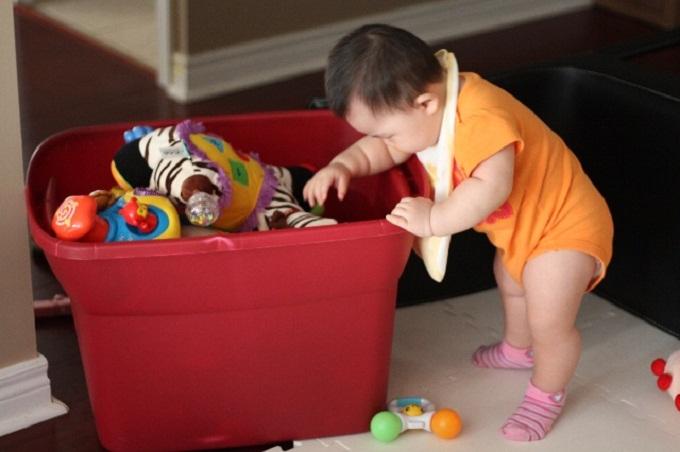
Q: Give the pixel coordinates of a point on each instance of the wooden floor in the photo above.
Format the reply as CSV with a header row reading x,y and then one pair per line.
x,y
66,81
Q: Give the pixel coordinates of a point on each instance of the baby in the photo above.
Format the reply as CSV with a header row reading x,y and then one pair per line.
x,y
512,178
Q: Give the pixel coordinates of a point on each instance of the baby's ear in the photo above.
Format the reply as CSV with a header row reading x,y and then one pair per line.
x,y
427,101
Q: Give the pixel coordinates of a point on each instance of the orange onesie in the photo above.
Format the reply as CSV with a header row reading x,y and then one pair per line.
x,y
553,204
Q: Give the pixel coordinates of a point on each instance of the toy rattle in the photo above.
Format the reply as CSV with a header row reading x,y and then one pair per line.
x,y
668,373
411,413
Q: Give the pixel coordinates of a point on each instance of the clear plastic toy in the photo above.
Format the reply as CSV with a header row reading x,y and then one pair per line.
x,y
202,209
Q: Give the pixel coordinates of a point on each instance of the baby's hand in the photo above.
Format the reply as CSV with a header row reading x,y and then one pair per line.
x,y
413,214
334,175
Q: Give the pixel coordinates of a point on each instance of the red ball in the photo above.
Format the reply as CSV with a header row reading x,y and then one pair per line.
x,y
658,366
664,381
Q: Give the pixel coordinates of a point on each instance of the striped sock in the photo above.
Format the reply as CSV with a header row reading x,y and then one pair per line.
x,y
503,356
534,417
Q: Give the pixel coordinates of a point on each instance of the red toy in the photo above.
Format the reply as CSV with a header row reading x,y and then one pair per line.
x,y
668,373
77,219
138,215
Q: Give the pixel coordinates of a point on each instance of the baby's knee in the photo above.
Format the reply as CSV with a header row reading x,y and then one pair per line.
x,y
554,332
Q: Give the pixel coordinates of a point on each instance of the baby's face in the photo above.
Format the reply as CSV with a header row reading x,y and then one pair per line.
x,y
410,130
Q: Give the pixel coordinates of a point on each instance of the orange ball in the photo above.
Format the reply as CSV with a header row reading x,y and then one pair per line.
x,y
446,423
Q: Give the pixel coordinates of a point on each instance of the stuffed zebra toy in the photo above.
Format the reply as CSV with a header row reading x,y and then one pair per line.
x,y
215,184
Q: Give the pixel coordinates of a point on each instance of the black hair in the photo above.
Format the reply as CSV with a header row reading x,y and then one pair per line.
x,y
384,67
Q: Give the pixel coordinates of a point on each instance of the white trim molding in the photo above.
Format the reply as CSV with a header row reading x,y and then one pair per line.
x,y
215,72
164,34
25,396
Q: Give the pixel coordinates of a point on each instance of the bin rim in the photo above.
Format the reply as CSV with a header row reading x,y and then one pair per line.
x,y
220,242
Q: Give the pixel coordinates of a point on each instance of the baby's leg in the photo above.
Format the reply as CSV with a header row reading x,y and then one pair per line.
x,y
554,284
514,351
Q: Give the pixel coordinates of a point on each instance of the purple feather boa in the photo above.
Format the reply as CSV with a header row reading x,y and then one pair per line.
x,y
264,198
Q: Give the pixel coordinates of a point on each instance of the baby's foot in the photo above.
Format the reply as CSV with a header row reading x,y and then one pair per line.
x,y
503,356
534,417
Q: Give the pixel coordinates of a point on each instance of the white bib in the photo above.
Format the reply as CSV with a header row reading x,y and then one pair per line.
x,y
438,162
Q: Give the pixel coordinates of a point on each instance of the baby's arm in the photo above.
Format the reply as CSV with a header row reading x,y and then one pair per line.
x,y
369,155
471,202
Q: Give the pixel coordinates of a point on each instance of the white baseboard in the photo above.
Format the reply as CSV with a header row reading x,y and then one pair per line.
x,y
207,74
25,396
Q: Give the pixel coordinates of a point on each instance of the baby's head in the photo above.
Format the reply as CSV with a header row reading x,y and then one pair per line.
x,y
386,82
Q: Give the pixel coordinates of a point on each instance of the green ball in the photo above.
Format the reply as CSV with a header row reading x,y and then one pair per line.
x,y
386,426
318,210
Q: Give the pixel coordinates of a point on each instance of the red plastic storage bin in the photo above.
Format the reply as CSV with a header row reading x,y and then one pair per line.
x,y
231,339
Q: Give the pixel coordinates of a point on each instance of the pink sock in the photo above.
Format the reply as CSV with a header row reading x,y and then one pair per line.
x,y
534,417
503,356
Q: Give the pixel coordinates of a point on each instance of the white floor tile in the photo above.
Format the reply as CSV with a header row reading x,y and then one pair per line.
x,y
126,26
613,403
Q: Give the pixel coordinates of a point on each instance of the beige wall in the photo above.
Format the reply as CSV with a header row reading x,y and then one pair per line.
x,y
17,330
660,12
218,23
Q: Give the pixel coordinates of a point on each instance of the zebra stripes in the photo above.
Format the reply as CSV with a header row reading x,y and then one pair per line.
x,y
284,210
171,163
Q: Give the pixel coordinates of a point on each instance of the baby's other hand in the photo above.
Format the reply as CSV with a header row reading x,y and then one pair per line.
x,y
334,175
413,214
